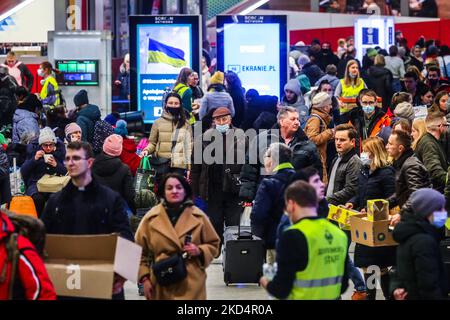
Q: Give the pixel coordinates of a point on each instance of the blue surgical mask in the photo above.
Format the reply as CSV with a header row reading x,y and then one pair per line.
x,y
223,128
365,159
439,218
353,76
368,109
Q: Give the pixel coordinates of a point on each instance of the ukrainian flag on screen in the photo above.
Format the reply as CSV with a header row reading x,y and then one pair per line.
x,y
161,53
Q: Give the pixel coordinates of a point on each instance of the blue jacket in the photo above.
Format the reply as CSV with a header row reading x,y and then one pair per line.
x,y
269,206
86,119
25,123
33,170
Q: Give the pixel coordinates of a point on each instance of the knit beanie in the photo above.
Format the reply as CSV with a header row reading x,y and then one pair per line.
x,y
371,52
121,128
111,119
217,78
46,135
71,128
426,201
321,100
404,110
304,59
294,86
81,98
113,145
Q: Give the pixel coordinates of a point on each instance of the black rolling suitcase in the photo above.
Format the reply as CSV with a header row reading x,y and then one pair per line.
x,y
243,255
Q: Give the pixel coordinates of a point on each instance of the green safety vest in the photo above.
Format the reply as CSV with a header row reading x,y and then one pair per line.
x,y
44,91
327,251
181,89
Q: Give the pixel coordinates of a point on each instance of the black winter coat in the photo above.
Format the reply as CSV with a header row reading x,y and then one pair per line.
x,y
346,178
269,206
256,107
379,184
111,172
410,175
33,170
379,79
95,210
420,270
305,154
206,177
312,71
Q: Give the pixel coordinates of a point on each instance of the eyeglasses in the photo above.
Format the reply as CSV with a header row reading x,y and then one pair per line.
x,y
48,145
74,159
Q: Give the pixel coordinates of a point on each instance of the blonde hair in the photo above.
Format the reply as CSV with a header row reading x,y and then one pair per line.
x,y
375,146
420,126
379,60
349,81
417,72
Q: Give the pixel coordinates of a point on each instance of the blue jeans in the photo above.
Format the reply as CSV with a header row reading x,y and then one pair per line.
x,y
355,276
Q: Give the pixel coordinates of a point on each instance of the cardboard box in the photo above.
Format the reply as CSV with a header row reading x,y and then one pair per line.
x,y
341,215
371,233
84,265
377,209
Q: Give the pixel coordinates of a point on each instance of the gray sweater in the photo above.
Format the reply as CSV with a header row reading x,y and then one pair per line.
x,y
214,100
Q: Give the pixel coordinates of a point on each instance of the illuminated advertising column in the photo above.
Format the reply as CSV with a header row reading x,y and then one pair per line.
x,y
373,32
255,47
160,46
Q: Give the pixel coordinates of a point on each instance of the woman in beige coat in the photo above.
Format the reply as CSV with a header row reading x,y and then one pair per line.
x,y
171,136
162,233
317,124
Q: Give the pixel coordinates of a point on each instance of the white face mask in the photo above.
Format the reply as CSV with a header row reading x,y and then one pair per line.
x,y
365,158
40,73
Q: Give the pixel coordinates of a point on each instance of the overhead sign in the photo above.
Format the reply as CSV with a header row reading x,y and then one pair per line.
x,y
373,32
160,47
254,47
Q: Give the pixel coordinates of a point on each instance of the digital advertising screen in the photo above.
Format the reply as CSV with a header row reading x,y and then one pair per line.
x,y
255,47
77,72
372,32
160,47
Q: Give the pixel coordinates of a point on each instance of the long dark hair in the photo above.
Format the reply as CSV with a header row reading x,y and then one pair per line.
x,y
179,120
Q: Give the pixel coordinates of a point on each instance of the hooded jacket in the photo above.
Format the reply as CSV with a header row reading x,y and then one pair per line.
x,y
32,281
317,131
160,141
86,119
420,270
269,206
25,124
129,156
312,71
111,172
303,111
379,79
430,153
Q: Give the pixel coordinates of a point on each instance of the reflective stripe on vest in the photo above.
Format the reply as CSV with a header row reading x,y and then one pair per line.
x,y
44,91
327,251
317,282
350,92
